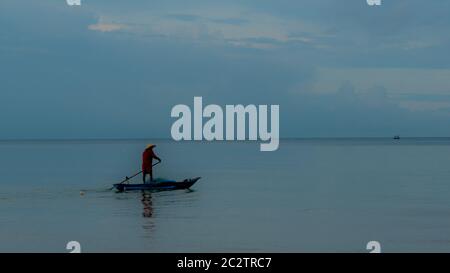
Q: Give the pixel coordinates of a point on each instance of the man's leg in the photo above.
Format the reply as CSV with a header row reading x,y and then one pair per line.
x,y
151,176
143,176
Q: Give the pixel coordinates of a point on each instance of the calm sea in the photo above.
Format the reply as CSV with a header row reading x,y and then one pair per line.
x,y
320,195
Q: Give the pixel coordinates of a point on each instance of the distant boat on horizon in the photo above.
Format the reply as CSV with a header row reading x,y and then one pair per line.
x,y
396,137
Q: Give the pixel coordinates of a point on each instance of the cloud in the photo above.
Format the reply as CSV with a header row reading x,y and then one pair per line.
x,y
208,49
442,106
419,81
350,35
184,17
234,26
105,27
350,112
231,21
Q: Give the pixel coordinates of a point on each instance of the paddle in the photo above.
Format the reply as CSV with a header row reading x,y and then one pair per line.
x,y
128,178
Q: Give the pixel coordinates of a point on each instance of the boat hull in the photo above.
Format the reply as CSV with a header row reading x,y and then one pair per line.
x,y
158,186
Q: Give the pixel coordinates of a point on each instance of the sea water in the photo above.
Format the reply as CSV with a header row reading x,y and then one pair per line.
x,y
320,195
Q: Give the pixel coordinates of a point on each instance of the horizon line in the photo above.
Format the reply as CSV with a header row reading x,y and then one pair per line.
x,y
165,139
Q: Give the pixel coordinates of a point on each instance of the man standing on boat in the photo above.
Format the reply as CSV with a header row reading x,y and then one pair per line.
x,y
147,157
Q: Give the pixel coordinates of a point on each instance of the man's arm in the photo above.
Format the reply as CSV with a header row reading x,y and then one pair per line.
x,y
156,157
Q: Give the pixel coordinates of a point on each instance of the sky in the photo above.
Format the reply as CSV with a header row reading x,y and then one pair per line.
x,y
115,69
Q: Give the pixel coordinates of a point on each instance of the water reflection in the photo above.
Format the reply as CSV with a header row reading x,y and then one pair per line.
x,y
168,205
147,204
